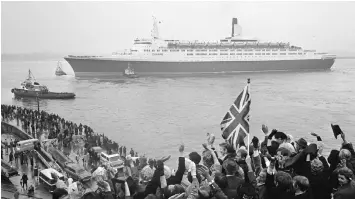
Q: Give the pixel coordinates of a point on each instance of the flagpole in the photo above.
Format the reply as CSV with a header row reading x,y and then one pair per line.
x,y
249,120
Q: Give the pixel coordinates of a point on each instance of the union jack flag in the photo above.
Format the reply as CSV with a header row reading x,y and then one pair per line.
x,y
235,124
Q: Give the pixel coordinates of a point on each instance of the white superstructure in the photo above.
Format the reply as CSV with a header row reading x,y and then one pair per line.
x,y
232,48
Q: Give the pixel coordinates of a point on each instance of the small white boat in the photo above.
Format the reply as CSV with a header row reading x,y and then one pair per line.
x,y
129,72
59,71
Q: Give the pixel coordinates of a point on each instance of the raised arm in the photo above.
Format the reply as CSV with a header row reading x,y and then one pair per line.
x,y
192,190
215,189
154,183
265,130
251,175
347,145
316,135
216,163
181,169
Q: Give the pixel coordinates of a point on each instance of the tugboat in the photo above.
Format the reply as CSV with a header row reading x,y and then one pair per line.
x,y
129,72
30,88
59,71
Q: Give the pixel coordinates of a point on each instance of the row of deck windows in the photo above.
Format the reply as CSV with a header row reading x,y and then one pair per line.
x,y
212,50
257,54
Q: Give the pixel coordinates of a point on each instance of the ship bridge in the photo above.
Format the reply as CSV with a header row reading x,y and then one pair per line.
x,y
237,40
142,41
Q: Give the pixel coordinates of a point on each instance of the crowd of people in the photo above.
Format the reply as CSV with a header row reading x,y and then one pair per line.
x,y
45,126
41,123
278,167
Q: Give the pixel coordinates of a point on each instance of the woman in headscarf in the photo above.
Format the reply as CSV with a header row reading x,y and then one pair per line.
x,y
347,184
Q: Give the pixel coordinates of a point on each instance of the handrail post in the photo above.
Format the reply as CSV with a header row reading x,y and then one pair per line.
x,y
37,103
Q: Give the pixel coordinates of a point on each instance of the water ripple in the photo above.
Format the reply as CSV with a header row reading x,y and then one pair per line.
x,y
154,115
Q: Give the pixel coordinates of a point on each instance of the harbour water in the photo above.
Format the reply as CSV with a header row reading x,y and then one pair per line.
x,y
154,115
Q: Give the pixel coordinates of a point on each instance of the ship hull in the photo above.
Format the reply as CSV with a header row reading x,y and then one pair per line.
x,y
88,67
131,76
20,93
60,73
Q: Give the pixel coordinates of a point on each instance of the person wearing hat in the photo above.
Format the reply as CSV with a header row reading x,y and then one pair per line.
x,y
301,144
277,138
270,145
280,137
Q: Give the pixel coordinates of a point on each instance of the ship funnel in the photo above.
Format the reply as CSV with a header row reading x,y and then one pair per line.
x,y
155,31
236,29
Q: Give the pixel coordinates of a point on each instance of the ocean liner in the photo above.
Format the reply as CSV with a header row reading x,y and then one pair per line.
x,y
231,54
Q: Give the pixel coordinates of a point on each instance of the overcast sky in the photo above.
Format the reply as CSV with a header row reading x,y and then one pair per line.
x,y
104,27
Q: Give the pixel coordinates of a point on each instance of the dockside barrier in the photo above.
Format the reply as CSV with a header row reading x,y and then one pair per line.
x,y
59,157
53,164
24,136
43,160
15,130
49,156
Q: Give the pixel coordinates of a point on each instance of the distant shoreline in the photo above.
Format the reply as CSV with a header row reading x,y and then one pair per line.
x,y
35,56
346,57
32,57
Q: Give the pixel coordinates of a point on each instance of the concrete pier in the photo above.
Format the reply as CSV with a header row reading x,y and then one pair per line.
x,y
8,190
